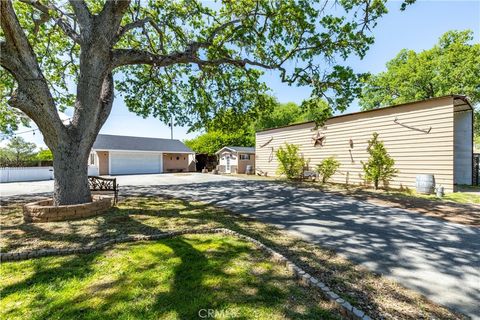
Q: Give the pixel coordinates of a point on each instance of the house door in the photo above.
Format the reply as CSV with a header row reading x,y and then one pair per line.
x,y
227,167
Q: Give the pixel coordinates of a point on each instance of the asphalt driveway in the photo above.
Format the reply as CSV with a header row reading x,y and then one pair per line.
x,y
32,189
437,258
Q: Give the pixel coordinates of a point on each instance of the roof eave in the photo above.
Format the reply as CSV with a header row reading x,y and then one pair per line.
x,y
454,96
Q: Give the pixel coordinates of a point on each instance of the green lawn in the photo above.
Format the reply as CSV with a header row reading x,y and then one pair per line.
x,y
167,279
459,197
33,284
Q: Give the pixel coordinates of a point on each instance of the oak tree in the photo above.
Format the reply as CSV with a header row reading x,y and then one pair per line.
x,y
190,59
452,66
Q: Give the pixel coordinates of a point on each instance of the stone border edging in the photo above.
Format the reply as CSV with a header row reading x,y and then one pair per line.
x,y
45,211
346,309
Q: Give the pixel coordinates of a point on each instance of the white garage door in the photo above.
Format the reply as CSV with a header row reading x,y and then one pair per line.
x,y
133,163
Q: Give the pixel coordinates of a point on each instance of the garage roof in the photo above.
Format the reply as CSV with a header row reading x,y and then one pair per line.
x,y
126,143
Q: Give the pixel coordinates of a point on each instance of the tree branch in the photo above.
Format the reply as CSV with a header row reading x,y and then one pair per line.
x,y
64,25
17,54
33,95
123,57
110,17
82,13
135,24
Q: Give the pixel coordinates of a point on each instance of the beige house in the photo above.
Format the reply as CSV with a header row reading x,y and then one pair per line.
x,y
433,136
115,155
235,159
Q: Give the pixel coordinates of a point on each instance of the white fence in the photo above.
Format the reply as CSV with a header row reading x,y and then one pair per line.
x,y
12,174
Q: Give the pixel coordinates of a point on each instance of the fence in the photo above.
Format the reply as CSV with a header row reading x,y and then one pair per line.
x,y
25,174
476,169
25,163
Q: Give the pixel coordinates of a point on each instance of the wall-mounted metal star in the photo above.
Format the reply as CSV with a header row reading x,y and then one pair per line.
x,y
318,139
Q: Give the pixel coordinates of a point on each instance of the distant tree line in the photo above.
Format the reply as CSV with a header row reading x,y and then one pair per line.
x,y
452,66
21,153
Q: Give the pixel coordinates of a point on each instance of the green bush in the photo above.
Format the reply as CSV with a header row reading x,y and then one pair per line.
x,y
327,168
44,155
380,166
291,164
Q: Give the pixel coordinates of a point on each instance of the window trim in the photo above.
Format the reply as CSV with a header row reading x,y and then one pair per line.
x,y
245,156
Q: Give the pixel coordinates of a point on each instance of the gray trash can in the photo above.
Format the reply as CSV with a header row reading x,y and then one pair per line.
x,y
425,183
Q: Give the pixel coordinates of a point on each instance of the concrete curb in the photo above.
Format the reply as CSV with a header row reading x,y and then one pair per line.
x,y
305,279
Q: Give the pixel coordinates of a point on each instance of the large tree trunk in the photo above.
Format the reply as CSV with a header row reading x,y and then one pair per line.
x,y
70,143
70,165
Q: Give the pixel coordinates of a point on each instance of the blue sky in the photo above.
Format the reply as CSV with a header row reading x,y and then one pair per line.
x,y
418,28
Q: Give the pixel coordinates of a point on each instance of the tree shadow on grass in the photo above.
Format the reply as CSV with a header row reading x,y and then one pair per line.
x,y
343,277
46,274
15,235
205,278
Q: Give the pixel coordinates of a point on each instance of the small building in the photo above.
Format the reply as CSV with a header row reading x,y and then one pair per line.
x,y
235,159
114,155
433,136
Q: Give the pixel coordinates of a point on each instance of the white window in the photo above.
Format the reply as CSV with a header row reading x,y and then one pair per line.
x,y
92,159
244,157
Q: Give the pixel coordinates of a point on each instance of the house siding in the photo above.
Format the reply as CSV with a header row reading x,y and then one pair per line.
x,y
223,161
170,162
103,162
414,152
242,164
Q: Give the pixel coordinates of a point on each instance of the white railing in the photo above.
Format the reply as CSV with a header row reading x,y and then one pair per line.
x,y
17,174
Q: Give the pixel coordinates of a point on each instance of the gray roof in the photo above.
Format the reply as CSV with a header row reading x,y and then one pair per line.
x,y
111,142
239,149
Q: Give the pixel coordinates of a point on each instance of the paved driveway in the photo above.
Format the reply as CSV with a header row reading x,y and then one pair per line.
x,y
31,189
437,258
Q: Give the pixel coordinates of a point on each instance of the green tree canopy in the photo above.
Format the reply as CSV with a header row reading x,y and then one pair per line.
x,y
229,130
212,141
18,150
44,155
189,59
452,66
283,114
195,59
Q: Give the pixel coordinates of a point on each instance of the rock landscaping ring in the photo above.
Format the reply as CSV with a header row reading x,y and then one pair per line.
x,y
44,211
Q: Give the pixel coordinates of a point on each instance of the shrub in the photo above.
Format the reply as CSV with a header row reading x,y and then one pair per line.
x,y
327,168
379,166
291,164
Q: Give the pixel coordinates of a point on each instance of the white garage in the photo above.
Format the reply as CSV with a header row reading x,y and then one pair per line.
x,y
135,163
116,155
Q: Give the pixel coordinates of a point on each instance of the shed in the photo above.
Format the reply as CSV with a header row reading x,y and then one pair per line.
x,y
432,136
235,159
